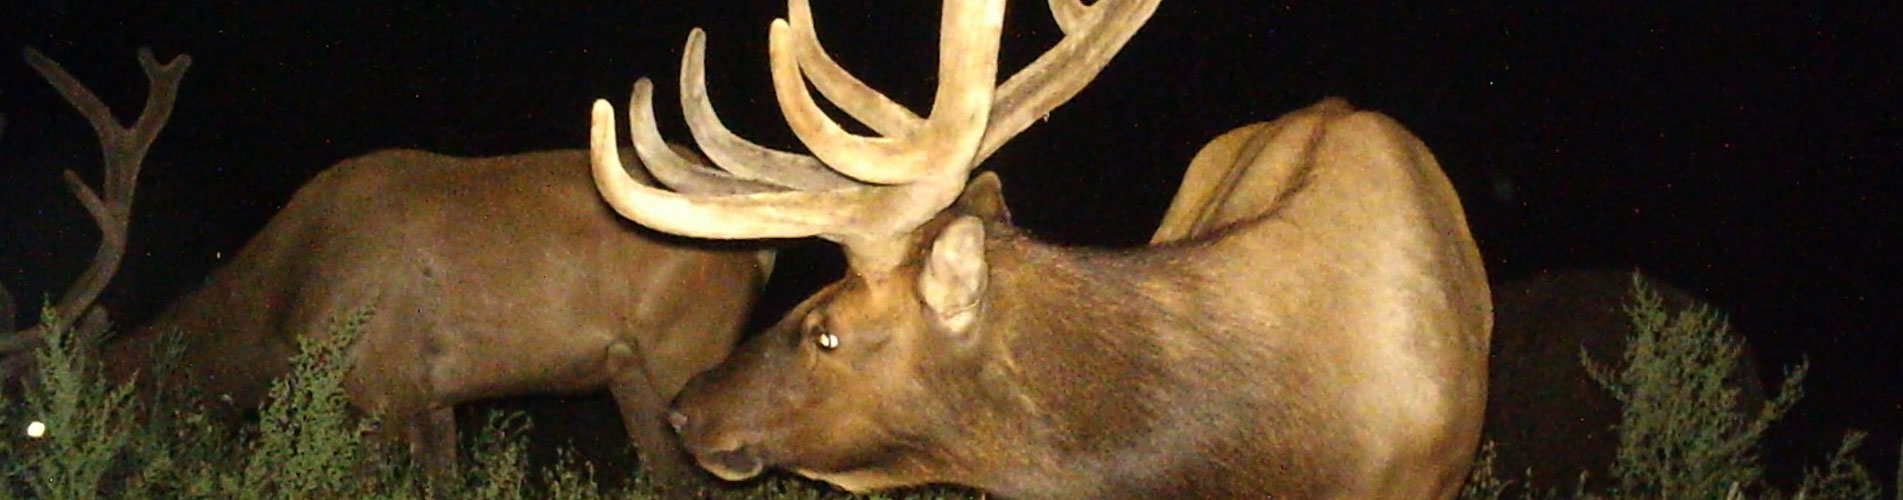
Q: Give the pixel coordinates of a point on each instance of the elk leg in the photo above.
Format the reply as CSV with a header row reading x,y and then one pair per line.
x,y
432,436
642,410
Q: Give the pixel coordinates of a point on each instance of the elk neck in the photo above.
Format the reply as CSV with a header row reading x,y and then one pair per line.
x,y
1078,362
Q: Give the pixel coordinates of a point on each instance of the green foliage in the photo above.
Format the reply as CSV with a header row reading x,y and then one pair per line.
x,y
571,479
1482,484
500,455
87,422
1842,477
178,449
307,443
307,446
1679,435
1679,438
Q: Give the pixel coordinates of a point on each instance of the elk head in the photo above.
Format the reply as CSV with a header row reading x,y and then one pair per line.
x,y
843,368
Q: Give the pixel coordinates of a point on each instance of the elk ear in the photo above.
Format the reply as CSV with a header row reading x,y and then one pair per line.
x,y
953,282
984,198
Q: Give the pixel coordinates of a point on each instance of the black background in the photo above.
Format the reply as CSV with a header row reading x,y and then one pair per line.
x,y
1747,153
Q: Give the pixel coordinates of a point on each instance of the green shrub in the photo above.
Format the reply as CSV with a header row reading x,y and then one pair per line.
x,y
1842,477
1678,435
179,449
87,422
1481,483
571,479
500,456
307,446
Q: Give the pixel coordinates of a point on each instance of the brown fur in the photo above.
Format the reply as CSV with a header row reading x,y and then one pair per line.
x,y
488,277
1316,326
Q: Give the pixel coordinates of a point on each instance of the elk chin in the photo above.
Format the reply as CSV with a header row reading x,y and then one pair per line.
x,y
729,456
738,464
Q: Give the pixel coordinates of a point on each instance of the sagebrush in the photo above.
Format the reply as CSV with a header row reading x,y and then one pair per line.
x,y
1681,436
1677,440
103,442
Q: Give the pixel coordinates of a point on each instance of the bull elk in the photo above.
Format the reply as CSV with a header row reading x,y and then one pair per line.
x,y
1312,321
489,277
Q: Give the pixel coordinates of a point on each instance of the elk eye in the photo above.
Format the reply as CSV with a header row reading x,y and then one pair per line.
x,y
827,341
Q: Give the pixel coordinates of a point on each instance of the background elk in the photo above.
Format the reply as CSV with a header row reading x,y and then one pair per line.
x,y
1313,322
488,277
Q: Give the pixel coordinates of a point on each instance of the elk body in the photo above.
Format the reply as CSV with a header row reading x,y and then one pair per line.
x,y
1312,321
487,277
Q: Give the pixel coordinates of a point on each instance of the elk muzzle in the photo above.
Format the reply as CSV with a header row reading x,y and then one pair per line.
x,y
728,459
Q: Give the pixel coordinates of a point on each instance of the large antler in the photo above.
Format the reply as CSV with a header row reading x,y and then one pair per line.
x,y
862,192
123,151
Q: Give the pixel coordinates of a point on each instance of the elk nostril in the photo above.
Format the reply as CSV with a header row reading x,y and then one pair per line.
x,y
676,420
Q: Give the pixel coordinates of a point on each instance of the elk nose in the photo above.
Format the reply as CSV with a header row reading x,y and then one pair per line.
x,y
677,420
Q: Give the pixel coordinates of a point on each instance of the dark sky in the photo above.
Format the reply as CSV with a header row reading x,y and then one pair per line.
x,y
1748,153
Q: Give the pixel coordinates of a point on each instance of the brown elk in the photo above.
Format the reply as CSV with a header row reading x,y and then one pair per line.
x,y
488,277
1312,323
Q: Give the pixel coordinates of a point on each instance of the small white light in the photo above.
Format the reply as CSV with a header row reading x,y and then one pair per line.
x,y
35,429
828,341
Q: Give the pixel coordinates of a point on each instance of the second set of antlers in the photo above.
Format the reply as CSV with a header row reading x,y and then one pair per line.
x,y
863,192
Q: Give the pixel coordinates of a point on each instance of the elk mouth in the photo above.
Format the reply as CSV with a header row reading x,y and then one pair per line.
x,y
728,461
737,464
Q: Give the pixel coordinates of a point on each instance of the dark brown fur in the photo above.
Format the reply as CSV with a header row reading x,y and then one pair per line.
x,y
1321,334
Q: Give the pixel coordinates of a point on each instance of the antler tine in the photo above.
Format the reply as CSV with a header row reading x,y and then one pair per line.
x,y
743,158
671,166
891,184
123,151
860,218
790,214
1092,35
839,86
967,69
